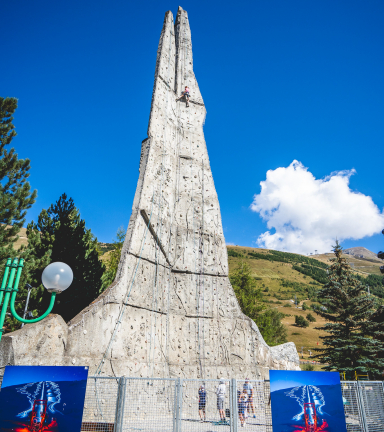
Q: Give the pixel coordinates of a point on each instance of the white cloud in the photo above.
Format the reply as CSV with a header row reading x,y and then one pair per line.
x,y
309,214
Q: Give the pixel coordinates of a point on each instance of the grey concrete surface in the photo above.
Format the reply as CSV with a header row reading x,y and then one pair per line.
x,y
171,310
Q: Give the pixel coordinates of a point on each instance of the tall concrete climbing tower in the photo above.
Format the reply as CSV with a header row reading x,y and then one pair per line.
x,y
172,310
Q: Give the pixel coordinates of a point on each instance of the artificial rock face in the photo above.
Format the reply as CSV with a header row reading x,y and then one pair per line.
x,y
172,310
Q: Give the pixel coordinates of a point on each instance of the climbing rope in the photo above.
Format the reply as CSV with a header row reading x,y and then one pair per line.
x,y
159,229
196,273
201,276
176,201
125,304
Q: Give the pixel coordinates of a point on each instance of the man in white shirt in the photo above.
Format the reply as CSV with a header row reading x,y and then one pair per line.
x,y
220,393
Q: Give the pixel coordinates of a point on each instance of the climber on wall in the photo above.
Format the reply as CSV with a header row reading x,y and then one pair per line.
x,y
185,94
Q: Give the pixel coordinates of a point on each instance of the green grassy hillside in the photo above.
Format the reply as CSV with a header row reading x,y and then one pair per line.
x,y
285,276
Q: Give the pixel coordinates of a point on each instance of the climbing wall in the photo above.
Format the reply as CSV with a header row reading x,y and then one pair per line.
x,y
172,310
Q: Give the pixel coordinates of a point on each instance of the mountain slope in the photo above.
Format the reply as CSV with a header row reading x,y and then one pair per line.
x,y
362,252
285,277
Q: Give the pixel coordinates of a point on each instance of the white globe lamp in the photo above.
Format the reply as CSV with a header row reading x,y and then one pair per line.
x,y
57,277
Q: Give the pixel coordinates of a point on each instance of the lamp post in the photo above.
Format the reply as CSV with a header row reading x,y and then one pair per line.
x,y
30,288
56,278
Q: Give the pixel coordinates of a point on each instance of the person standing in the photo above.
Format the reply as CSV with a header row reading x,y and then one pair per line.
x,y
220,393
243,399
248,387
202,402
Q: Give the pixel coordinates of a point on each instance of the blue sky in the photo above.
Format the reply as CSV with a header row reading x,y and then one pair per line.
x,y
287,379
282,81
15,375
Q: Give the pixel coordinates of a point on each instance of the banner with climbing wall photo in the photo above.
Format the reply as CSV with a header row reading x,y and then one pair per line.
x,y
42,398
306,401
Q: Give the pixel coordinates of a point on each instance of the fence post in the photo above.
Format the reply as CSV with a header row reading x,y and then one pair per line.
x,y
120,403
362,406
233,405
178,405
174,427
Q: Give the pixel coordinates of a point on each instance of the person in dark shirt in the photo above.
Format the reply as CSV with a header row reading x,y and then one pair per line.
x,y
243,400
202,402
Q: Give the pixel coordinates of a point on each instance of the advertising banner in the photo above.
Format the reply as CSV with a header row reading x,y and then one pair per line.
x,y
42,398
306,401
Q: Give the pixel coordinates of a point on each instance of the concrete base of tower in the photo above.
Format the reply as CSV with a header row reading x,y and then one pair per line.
x,y
133,353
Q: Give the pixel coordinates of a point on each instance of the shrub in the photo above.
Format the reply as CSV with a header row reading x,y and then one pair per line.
x,y
296,334
315,273
233,253
266,289
271,327
315,306
307,367
311,318
304,306
287,305
300,321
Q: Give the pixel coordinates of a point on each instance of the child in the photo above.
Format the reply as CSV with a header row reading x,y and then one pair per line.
x,y
243,399
202,402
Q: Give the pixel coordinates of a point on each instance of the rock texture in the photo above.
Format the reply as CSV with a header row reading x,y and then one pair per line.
x,y
172,310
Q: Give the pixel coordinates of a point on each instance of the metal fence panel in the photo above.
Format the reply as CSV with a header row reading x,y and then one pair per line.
x,y
150,405
255,412
267,407
100,404
200,413
165,405
372,400
352,407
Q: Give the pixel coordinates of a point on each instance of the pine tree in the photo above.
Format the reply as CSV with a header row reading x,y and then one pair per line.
x,y
15,191
250,300
61,234
272,329
353,341
248,295
112,263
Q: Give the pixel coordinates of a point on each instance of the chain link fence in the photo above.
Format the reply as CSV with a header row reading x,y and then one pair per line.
x,y
372,401
352,407
195,405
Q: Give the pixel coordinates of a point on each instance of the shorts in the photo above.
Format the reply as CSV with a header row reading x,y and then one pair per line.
x,y
186,94
201,405
242,410
220,403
